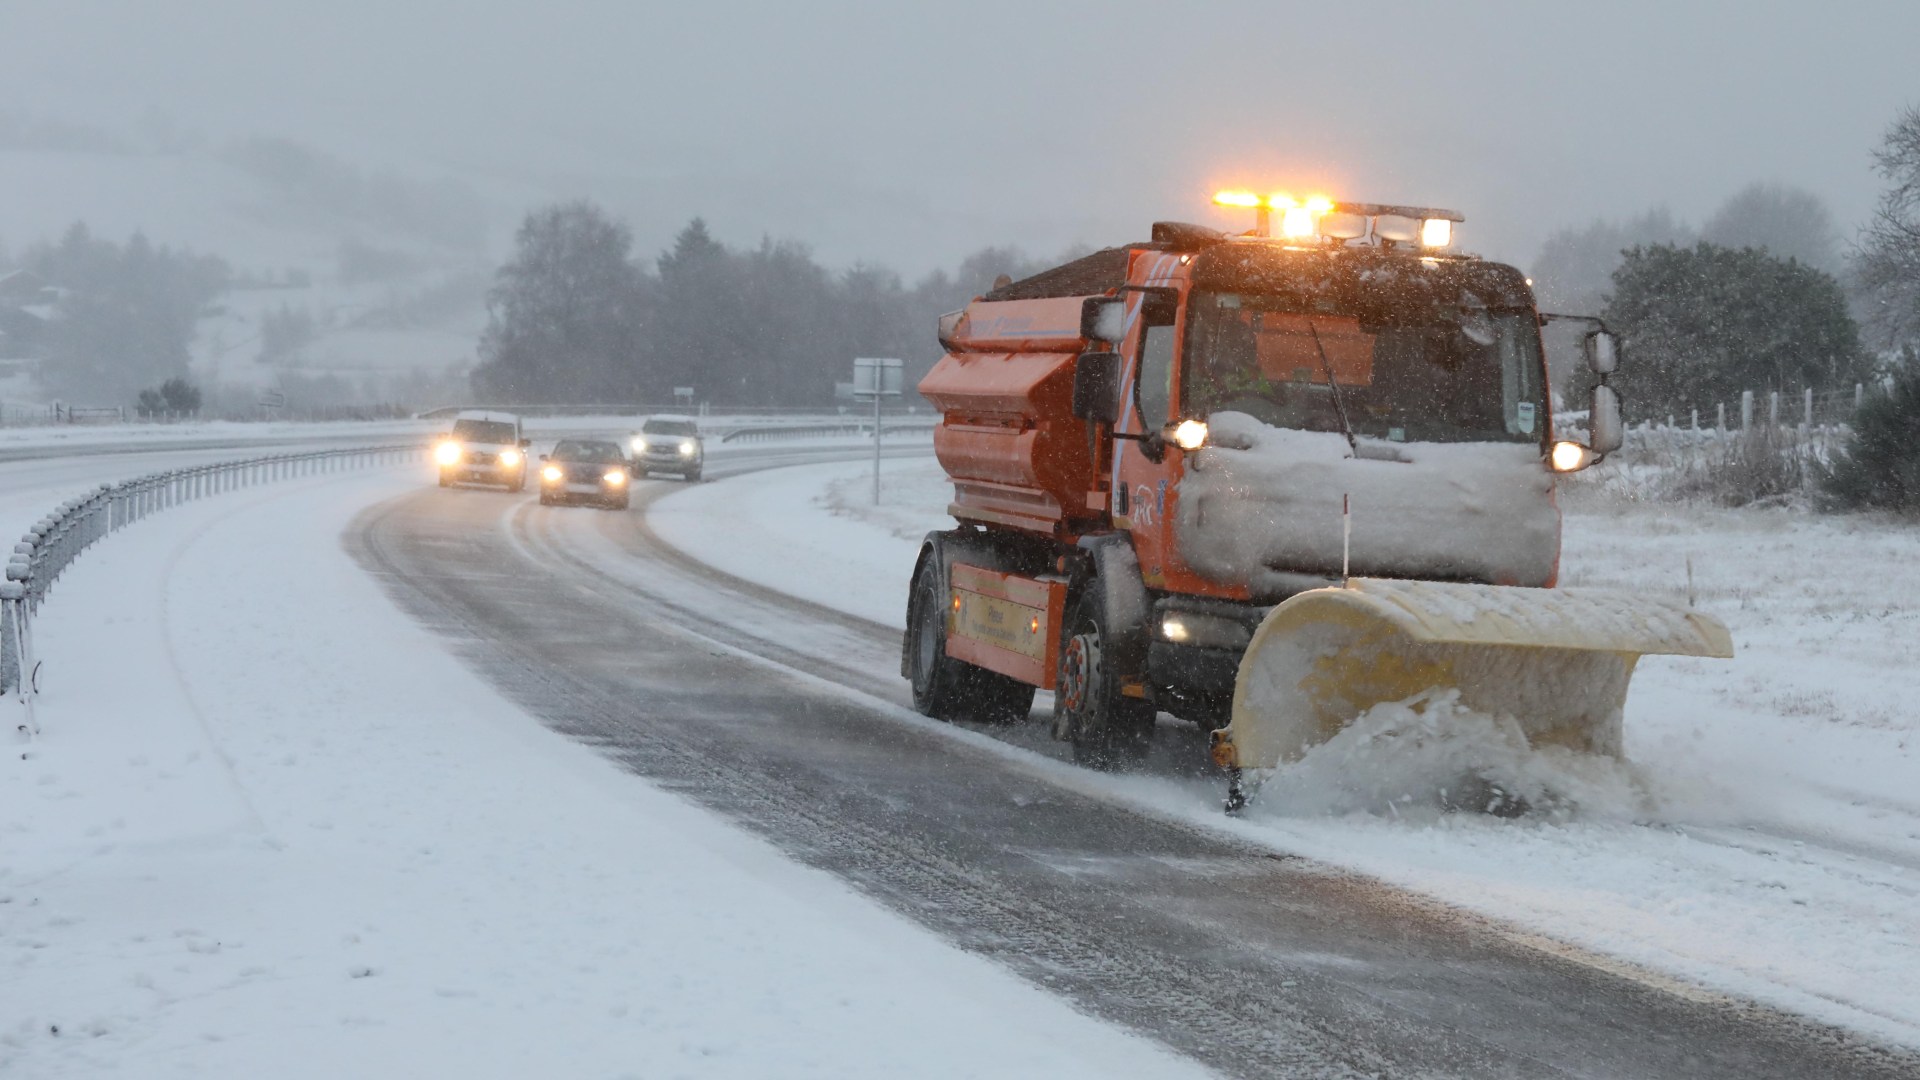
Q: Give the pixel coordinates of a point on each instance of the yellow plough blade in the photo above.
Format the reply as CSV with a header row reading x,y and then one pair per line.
x,y
1555,660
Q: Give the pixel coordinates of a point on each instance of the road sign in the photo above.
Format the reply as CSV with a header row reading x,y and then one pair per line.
x,y
876,376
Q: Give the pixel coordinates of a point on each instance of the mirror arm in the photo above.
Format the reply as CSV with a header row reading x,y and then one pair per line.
x,y
1594,321
1152,443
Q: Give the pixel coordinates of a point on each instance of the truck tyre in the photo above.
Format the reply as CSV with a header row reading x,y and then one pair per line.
x,y
693,477
519,483
446,480
943,687
1108,730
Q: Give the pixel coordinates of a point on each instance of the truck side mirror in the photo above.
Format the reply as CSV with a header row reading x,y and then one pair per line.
x,y
1603,352
1103,318
1604,426
1096,387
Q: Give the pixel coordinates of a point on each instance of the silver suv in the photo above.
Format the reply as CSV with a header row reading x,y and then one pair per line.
x,y
669,444
483,448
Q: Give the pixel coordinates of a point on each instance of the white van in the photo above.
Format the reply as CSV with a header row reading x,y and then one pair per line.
x,y
483,448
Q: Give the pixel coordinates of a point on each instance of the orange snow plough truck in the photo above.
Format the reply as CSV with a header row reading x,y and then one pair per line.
x,y
1267,483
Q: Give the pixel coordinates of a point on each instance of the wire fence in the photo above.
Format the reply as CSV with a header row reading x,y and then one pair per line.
x,y
55,541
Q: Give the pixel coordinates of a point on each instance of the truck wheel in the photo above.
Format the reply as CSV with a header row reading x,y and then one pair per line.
x,y
945,688
445,480
1108,730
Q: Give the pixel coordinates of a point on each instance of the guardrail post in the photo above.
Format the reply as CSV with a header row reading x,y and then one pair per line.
x,y
16,653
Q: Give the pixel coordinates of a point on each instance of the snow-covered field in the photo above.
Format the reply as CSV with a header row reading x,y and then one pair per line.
x,y
1764,840
274,828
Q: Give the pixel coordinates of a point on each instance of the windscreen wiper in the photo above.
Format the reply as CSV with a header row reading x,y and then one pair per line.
x,y
1339,403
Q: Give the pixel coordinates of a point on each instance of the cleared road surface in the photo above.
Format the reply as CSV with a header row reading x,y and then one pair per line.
x,y
788,719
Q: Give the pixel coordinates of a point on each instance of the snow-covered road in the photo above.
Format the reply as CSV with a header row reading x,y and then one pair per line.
x,y
274,828
1765,842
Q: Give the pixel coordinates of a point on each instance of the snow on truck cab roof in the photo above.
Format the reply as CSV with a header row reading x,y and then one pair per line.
x,y
486,414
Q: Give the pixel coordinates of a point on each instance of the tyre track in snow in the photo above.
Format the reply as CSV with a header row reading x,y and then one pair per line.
x,y
1253,963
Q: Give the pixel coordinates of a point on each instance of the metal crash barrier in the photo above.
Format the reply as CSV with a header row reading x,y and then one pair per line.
x,y
55,541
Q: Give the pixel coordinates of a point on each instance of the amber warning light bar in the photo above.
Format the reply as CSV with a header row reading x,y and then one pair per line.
x,y
1318,217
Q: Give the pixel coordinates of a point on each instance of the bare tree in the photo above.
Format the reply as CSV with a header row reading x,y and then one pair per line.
x,y
1788,222
1887,263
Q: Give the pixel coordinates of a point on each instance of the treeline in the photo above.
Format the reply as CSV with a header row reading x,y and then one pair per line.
x,y
118,318
577,318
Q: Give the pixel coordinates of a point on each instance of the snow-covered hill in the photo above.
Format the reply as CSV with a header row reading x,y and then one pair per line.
x,y
372,274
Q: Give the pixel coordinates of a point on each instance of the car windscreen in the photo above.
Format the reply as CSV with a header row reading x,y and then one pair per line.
x,y
583,450
484,431
669,427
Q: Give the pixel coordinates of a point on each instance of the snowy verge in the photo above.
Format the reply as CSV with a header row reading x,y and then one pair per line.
x,y
274,828
1762,839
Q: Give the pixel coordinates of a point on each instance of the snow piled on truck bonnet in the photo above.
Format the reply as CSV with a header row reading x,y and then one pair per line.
x,y
1260,503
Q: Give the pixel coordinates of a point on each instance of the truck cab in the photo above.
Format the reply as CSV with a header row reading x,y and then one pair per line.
x,y
483,447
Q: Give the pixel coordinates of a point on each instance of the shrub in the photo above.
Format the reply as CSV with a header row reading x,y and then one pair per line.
x,y
1880,465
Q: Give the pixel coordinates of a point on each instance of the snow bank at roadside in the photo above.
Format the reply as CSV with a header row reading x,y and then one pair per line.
x,y
1764,839
274,828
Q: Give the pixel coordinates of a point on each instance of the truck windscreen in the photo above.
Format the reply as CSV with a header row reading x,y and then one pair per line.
x,y
1427,364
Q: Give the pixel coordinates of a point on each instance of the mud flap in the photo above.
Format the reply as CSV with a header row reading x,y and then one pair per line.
x,y
1557,661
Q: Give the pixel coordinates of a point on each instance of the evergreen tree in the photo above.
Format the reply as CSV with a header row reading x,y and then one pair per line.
x,y
1880,466
1706,322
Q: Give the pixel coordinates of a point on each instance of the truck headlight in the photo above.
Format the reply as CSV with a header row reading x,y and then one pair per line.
x,y
552,474
639,445
615,477
447,453
1190,435
1570,457
509,457
686,447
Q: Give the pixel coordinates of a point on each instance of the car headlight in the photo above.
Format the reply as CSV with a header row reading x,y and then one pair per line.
x,y
509,457
447,453
552,474
615,477
639,445
686,448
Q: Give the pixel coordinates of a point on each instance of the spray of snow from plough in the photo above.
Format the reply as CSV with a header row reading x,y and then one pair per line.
x,y
1556,661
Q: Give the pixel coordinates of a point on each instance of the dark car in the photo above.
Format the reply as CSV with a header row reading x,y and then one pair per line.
x,y
669,444
584,470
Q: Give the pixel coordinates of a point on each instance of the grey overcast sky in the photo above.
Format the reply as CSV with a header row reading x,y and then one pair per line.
x,y
910,134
